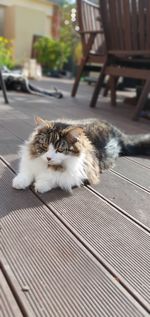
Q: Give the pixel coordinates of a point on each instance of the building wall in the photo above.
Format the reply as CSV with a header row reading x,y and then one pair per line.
x,y
28,22
2,19
23,19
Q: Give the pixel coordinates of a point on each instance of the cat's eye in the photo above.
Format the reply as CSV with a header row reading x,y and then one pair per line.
x,y
60,150
45,145
63,143
62,146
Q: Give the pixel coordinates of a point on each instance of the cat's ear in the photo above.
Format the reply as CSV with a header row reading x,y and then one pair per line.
x,y
73,134
39,121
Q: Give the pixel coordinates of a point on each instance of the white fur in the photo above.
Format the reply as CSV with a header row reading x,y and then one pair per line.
x,y
113,148
44,178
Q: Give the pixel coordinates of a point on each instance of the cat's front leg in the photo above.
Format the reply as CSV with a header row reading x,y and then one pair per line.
x,y
22,180
43,184
26,171
42,187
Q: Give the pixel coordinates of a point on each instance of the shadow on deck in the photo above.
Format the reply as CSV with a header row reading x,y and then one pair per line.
x,y
85,254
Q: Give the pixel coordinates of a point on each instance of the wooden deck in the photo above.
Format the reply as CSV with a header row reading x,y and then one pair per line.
x,y
85,254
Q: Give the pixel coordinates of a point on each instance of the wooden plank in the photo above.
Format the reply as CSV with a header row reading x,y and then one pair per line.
x,y
55,267
138,174
18,290
144,161
110,235
134,25
145,53
104,4
142,100
148,25
126,196
127,25
128,72
141,28
137,205
72,109
120,23
9,306
114,25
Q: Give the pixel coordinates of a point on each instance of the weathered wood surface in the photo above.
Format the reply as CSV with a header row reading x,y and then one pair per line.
x,y
85,254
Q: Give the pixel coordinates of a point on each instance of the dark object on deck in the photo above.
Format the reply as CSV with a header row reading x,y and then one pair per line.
x,y
3,87
92,38
127,33
17,82
41,92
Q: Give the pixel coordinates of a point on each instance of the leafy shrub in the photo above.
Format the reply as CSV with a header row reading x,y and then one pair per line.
x,y
51,54
6,52
78,53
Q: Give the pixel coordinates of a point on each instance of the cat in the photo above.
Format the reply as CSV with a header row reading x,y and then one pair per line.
x,y
66,154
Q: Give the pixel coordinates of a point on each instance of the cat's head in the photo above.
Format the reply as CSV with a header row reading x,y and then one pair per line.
x,y
55,142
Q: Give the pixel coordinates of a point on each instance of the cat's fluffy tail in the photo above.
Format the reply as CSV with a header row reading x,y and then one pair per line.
x,y
135,144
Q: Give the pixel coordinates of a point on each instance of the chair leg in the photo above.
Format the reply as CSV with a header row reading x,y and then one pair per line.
x,y
77,79
142,100
83,62
113,82
98,85
107,88
3,87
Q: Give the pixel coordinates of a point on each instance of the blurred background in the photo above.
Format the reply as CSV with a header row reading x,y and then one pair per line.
x,y
40,37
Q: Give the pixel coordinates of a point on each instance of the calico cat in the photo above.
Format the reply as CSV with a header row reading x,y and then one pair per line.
x,y
65,153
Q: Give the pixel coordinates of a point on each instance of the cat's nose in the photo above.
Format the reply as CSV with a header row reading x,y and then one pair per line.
x,y
49,159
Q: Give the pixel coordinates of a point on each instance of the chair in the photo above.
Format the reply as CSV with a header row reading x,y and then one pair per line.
x,y
92,37
126,26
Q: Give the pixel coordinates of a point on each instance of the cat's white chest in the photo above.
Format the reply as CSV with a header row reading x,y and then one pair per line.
x,y
71,175
45,177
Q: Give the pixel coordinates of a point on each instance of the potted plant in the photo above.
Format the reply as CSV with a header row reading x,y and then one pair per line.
x,y
6,53
51,54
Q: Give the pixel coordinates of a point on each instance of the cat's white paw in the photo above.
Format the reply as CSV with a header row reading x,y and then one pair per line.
x,y
20,182
41,187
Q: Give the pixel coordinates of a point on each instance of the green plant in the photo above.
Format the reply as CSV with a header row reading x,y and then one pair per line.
x,y
68,32
51,54
78,53
6,52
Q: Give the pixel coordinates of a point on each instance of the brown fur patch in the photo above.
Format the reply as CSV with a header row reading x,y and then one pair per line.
x,y
73,134
92,164
56,167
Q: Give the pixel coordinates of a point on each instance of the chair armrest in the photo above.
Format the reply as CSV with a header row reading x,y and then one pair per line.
x,y
92,32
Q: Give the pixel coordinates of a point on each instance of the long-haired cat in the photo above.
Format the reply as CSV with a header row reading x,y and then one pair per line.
x,y
65,153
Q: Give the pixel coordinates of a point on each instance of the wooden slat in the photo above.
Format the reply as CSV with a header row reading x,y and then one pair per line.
x,y
89,23
144,161
134,25
120,23
148,24
18,289
13,120
126,196
53,265
137,174
91,32
107,232
127,25
9,306
106,21
113,23
141,29
127,72
124,53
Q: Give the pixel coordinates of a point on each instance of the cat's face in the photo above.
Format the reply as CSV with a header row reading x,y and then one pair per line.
x,y
55,143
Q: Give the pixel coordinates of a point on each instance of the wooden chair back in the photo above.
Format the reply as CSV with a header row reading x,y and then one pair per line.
x,y
89,20
126,26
